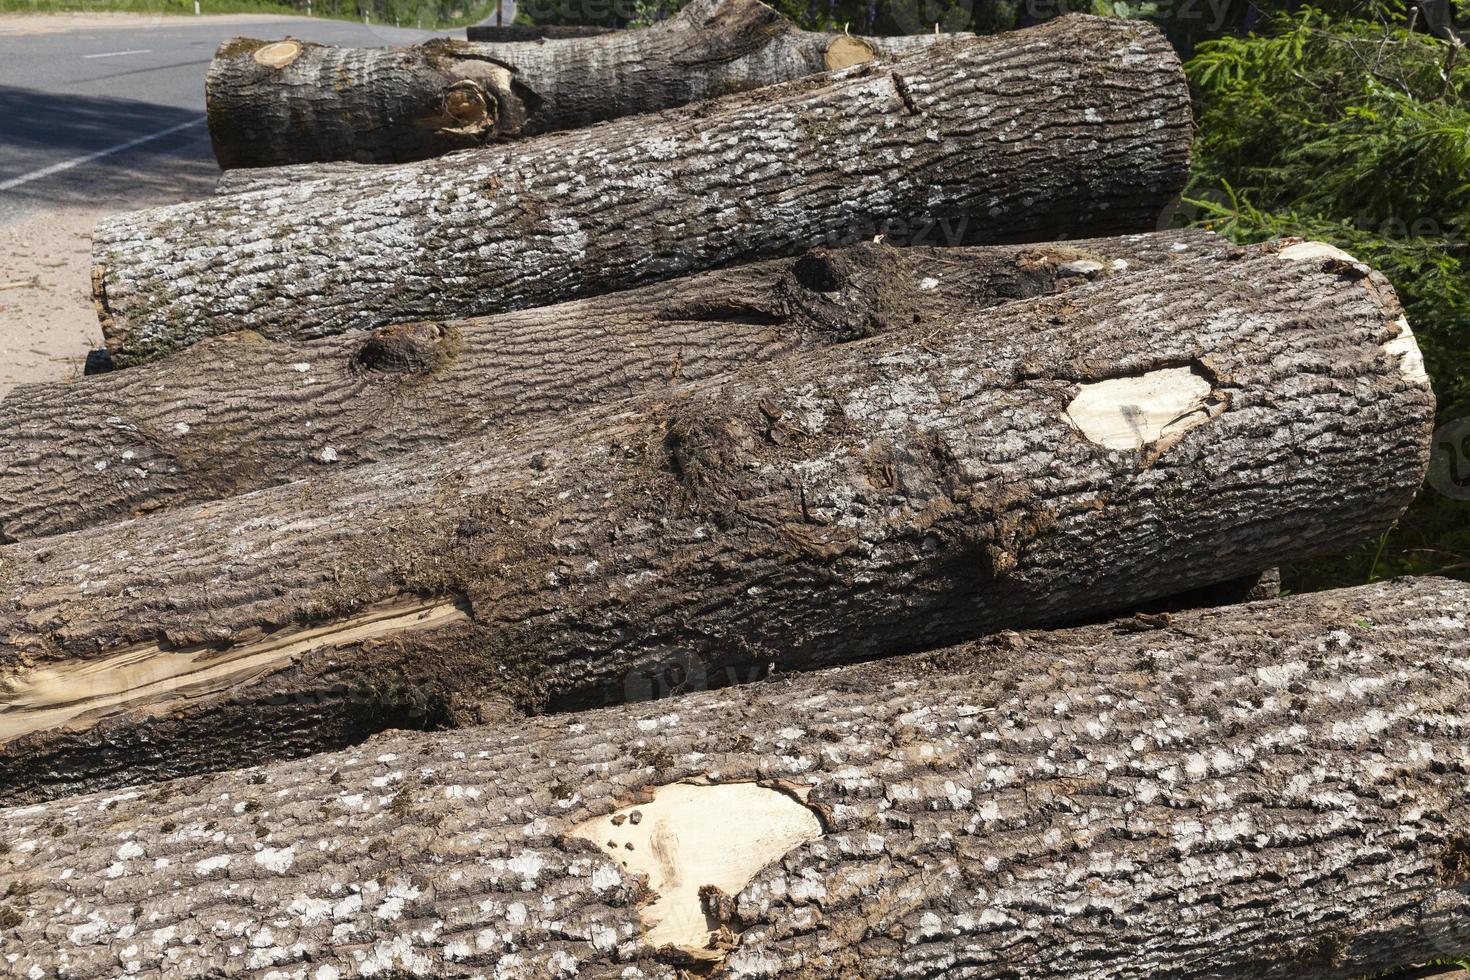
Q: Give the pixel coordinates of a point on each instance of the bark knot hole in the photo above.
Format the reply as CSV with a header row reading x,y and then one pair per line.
x,y
1454,863
821,270
466,103
404,348
692,841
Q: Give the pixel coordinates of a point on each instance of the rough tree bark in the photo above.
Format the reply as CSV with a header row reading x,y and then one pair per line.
x,y
273,103
1036,463
255,413
1273,790
282,178
1080,126
532,32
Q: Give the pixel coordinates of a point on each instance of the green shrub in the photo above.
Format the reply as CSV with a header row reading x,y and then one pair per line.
x,y
1353,132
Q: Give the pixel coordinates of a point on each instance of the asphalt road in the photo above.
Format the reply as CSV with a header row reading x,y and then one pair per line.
x,y
112,116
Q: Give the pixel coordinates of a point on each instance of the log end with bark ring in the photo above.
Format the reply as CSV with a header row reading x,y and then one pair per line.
x,y
845,51
278,54
1403,346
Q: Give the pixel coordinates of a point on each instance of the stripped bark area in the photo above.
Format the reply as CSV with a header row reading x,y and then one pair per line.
x,y
1077,127
1272,790
917,488
239,413
283,102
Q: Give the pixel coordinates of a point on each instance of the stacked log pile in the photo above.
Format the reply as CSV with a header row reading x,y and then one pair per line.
x,y
1078,127
288,101
501,439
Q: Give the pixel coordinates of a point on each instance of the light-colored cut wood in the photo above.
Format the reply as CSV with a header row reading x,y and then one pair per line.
x,y
690,836
78,693
1129,413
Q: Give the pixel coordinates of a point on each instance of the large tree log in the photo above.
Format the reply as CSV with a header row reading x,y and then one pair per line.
x,y
240,413
1273,790
273,103
1036,463
1078,127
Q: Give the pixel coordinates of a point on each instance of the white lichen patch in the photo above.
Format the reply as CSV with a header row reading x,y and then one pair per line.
x,y
1129,413
691,835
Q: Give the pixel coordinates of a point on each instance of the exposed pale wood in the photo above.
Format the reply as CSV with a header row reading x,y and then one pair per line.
x,y
691,837
1266,791
73,694
912,489
388,105
242,413
1156,407
1078,127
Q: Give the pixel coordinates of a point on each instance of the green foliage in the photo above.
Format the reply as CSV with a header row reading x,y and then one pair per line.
x,y
1351,131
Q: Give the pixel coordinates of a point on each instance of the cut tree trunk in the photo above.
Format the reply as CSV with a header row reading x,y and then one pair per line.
x,y
240,412
501,33
281,102
1037,463
1080,126
1272,790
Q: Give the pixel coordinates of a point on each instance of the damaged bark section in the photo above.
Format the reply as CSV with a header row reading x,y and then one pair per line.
x,y
81,694
1078,127
241,413
287,102
901,492
1262,791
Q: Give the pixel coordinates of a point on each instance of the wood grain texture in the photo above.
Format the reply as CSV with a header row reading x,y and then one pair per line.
x,y
913,489
392,105
1079,127
1272,790
240,413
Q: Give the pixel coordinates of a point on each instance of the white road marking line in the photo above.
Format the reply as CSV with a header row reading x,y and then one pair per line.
x,y
118,54
57,168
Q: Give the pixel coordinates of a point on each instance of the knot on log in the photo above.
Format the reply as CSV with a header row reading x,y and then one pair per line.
x,y
848,293
1454,863
821,269
469,107
406,348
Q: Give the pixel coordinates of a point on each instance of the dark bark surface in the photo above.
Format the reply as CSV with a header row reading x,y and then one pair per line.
x,y
531,32
1036,463
239,412
1079,127
1272,790
283,102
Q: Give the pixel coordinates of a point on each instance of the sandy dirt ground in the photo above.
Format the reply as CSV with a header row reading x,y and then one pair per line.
x,y
47,320
47,323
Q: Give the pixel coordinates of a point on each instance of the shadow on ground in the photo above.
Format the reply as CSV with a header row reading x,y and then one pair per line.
x,y
39,129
